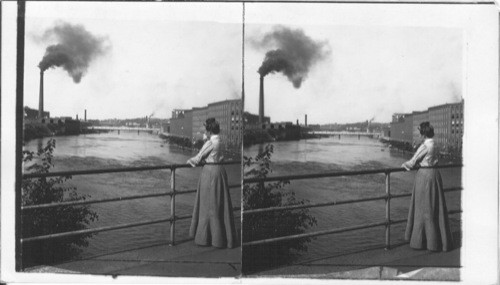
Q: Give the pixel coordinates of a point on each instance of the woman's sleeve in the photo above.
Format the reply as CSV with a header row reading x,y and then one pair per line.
x,y
203,153
418,156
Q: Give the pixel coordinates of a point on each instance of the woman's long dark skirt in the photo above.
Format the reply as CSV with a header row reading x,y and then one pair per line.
x,y
428,226
213,219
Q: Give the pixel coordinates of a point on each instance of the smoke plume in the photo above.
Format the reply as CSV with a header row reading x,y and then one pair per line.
x,y
296,53
75,49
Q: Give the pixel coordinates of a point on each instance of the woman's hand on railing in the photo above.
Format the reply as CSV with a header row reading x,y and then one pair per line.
x,y
191,162
406,166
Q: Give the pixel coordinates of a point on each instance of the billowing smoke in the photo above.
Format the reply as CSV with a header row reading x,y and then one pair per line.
x,y
294,56
75,49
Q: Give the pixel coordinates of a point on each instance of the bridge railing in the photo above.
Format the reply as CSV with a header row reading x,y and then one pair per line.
x,y
172,194
387,222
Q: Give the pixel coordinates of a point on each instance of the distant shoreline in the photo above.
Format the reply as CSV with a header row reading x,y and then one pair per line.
x,y
36,130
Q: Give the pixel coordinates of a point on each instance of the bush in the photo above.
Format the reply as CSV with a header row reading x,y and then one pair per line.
x,y
36,130
198,144
51,220
271,224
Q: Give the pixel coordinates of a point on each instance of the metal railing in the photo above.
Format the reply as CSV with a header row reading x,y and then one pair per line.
x,y
387,197
172,194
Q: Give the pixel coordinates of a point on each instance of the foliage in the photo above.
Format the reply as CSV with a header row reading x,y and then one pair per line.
x,y
256,136
36,130
271,224
37,222
179,141
198,144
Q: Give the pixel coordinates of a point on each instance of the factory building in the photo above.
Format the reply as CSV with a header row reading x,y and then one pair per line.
x,y
228,113
32,114
402,127
199,117
181,123
190,123
457,125
448,125
447,120
418,118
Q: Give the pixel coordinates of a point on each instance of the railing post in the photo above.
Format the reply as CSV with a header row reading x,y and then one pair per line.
x,y
388,210
21,12
172,207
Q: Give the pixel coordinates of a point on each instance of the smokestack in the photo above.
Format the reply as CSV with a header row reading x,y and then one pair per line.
x,y
85,115
261,100
77,117
306,120
75,48
294,56
297,122
40,98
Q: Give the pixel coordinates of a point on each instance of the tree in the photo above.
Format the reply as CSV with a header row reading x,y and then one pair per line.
x,y
38,222
271,224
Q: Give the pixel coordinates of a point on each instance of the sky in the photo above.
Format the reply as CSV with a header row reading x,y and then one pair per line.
x,y
157,57
375,66
165,56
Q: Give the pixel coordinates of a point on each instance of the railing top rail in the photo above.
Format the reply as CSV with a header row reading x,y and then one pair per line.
x,y
115,170
338,174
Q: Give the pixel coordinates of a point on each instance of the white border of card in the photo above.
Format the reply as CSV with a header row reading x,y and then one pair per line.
x,y
480,247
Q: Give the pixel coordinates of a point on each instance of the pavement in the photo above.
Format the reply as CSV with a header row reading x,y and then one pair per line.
x,y
400,262
184,259
188,260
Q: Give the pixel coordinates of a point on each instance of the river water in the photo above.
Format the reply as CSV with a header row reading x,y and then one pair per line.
x,y
130,149
349,154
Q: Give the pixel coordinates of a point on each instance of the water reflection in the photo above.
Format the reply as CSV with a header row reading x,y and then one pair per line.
x,y
348,154
129,149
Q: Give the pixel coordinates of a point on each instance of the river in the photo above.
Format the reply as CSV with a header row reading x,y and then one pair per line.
x,y
347,154
130,149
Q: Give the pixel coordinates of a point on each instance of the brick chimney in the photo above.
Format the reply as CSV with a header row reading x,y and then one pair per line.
x,y
40,98
261,100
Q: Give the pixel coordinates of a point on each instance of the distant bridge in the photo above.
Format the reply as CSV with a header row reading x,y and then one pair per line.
x,y
122,128
344,133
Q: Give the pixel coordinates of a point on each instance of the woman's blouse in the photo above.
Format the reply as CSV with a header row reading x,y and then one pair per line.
x,y
211,151
426,155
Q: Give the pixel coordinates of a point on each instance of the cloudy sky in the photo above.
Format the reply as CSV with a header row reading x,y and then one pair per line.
x,y
380,61
157,57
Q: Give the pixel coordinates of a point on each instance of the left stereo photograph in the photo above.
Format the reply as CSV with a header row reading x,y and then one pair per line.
x,y
131,139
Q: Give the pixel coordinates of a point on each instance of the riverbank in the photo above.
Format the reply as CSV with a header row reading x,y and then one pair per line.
x,y
260,136
35,130
231,153
407,148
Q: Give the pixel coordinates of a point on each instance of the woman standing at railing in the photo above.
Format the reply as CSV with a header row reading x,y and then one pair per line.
x,y
213,220
428,225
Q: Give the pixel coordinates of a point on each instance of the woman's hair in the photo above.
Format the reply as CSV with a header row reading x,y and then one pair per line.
x,y
211,125
426,129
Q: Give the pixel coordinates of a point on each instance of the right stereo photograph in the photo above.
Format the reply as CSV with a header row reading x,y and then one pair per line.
x,y
353,147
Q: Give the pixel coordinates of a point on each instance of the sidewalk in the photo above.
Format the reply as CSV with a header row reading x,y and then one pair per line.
x,y
188,260
400,262
182,260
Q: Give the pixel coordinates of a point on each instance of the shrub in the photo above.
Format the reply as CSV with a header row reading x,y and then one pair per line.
x,y
198,144
271,224
51,220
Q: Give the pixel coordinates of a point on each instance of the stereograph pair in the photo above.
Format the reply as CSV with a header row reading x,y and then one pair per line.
x,y
328,140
